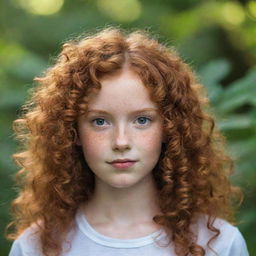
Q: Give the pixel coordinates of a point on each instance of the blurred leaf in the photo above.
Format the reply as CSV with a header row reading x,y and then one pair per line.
x,y
249,216
238,93
243,148
210,76
237,122
27,68
12,98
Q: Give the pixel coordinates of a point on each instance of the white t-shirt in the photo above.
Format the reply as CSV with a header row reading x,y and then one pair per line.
x,y
84,240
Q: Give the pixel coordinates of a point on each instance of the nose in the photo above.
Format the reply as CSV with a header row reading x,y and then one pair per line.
x,y
121,140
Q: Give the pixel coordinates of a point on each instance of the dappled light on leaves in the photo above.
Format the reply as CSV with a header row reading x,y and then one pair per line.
x,y
42,7
122,11
233,13
251,6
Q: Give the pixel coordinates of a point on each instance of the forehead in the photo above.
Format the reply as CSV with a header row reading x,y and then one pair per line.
x,y
122,91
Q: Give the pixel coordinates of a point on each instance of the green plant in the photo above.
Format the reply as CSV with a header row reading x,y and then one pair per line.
x,y
235,109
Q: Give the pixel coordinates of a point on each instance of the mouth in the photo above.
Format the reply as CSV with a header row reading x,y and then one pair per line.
x,y
124,163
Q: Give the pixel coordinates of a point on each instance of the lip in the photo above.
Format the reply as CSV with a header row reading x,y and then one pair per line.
x,y
122,161
123,164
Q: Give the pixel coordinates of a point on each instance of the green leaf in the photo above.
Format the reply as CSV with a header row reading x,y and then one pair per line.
x,y
27,68
12,98
243,148
238,93
210,76
236,122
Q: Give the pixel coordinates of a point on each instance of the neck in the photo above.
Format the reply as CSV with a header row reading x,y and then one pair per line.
x,y
130,205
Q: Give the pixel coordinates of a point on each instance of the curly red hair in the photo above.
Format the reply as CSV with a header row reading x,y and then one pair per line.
x,y
192,174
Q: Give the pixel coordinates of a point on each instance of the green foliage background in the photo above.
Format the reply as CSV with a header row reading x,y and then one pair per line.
x,y
217,38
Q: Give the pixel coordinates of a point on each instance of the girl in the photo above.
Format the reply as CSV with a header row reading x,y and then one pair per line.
x,y
96,180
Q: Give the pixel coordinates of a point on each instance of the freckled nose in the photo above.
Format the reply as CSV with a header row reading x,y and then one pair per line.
x,y
120,138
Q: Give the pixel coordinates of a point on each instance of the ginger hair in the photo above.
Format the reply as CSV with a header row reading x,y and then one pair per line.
x,y
192,174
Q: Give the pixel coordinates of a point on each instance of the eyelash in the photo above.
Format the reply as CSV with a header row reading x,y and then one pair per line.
x,y
147,118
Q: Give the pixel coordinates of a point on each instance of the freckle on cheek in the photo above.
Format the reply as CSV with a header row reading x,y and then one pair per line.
x,y
150,139
93,142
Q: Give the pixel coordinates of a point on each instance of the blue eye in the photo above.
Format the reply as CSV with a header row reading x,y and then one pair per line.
x,y
144,119
99,121
141,120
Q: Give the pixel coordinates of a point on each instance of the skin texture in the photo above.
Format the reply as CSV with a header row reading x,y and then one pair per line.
x,y
121,195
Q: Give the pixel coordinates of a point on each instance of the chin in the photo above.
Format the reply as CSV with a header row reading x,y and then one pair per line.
x,y
124,184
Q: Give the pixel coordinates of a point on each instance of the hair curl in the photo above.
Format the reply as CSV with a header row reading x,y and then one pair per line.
x,y
192,174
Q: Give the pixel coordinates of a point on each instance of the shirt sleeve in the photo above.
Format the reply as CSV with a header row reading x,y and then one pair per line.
x,y
238,246
26,245
16,249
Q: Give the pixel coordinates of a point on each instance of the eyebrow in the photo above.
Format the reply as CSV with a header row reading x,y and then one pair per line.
x,y
133,112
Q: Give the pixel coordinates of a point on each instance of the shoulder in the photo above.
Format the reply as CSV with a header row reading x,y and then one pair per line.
x,y
229,242
27,243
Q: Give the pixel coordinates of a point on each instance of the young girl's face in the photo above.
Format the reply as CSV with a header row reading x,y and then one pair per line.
x,y
129,128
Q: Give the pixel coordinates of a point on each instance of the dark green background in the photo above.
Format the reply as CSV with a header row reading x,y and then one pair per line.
x,y
217,38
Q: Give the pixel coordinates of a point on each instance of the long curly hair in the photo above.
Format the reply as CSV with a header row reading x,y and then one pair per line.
x,y
192,173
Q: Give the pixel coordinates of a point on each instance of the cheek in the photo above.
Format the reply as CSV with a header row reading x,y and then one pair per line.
x,y
151,141
93,145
